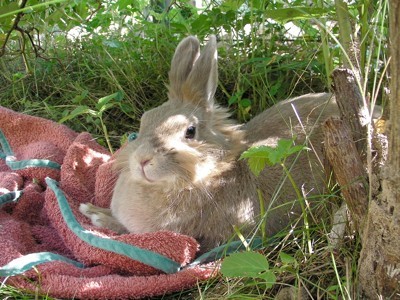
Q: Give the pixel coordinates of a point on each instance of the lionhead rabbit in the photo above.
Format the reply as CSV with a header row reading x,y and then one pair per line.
x,y
182,173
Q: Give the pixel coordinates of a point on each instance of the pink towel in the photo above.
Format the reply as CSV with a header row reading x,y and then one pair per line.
x,y
34,223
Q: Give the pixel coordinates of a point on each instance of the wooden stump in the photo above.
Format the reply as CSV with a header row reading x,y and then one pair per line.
x,y
348,168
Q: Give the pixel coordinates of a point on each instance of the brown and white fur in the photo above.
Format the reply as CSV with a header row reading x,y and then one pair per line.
x,y
183,174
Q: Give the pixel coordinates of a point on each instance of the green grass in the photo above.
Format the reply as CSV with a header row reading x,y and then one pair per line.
x,y
326,272
8,292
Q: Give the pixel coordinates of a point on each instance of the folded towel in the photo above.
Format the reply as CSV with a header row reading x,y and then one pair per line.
x,y
32,223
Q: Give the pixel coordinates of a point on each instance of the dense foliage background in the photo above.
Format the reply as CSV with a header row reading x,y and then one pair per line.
x,y
96,65
58,58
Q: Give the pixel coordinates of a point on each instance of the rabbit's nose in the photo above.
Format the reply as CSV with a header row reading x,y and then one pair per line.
x,y
144,162
143,165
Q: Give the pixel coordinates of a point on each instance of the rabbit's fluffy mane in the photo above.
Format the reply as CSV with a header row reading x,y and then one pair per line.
x,y
230,132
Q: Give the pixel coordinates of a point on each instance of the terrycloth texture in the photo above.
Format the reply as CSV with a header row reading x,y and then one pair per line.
x,y
35,224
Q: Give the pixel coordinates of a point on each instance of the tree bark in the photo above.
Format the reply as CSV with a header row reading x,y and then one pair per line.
x,y
379,265
345,141
379,226
348,168
351,105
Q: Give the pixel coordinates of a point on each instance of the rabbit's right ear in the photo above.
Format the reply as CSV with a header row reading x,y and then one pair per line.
x,y
182,63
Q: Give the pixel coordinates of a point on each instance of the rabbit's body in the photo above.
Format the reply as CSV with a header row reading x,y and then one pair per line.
x,y
299,118
182,173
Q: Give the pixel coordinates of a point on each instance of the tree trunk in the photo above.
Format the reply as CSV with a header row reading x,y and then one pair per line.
x,y
379,265
379,226
348,168
351,105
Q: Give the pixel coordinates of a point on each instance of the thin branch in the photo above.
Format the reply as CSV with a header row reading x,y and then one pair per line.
x,y
13,27
92,13
37,48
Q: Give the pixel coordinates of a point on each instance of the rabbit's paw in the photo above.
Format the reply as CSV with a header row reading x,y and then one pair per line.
x,y
86,209
101,217
89,209
94,213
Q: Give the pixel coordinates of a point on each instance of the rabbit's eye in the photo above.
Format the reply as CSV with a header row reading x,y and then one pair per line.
x,y
190,132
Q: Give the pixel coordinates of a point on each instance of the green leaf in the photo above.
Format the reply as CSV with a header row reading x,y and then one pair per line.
x,y
261,156
81,9
231,5
244,264
269,277
56,16
245,103
9,8
102,102
295,13
284,145
287,259
78,99
258,158
280,152
201,23
178,27
80,110
235,97
123,4
2,38
33,7
112,43
258,4
296,149
275,87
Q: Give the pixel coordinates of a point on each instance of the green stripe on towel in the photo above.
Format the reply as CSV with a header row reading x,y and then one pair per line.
x,y
147,257
27,262
31,163
10,197
5,146
7,154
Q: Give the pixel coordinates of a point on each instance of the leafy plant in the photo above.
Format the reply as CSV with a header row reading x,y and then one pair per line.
x,y
287,260
261,156
255,265
102,105
249,264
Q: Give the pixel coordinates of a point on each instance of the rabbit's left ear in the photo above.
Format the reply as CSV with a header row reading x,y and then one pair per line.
x,y
202,81
182,64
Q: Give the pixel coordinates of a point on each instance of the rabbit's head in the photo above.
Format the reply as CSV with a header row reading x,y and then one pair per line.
x,y
188,140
